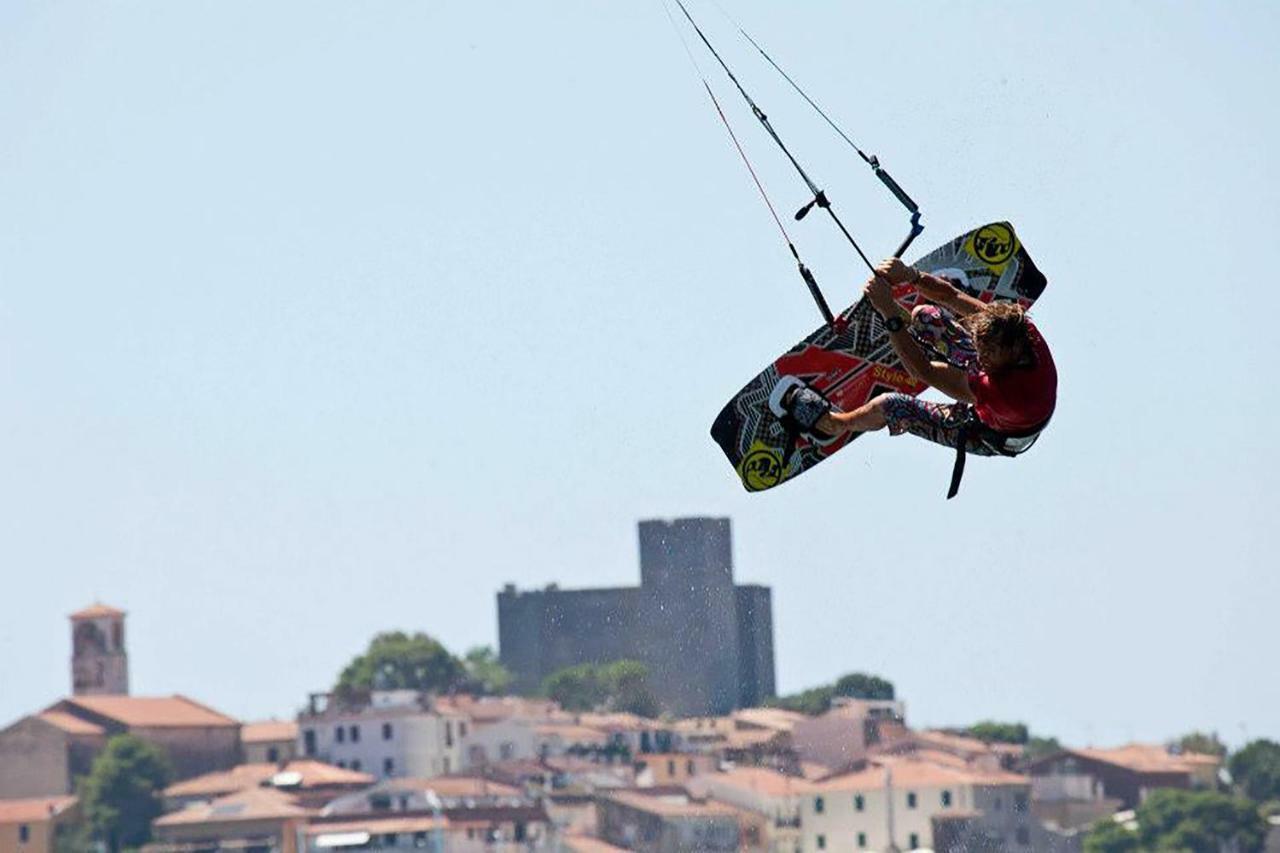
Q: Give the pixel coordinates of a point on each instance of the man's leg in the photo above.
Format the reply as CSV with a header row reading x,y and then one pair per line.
x,y
866,418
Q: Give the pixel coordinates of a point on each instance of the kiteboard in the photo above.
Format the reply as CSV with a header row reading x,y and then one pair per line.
x,y
851,360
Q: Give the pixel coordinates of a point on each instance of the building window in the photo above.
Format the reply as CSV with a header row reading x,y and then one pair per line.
x,y
386,731
1020,803
822,842
862,841
671,767
342,764
309,742
506,751
818,806
355,764
389,839
913,840
355,734
388,766
340,734
462,729
1023,836
24,833
273,754
911,802
859,803
689,766
946,799
448,733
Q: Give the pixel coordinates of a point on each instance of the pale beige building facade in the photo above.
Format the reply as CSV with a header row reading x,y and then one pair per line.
x,y
893,800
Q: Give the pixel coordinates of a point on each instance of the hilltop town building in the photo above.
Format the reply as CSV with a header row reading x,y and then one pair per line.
x,y
42,754
708,643
99,665
399,733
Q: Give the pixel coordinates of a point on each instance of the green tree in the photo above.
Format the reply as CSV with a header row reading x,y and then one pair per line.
x,y
485,675
1256,770
814,701
818,700
1202,743
627,682
1172,819
1107,836
121,794
396,660
991,731
860,685
1175,820
620,686
576,688
1040,747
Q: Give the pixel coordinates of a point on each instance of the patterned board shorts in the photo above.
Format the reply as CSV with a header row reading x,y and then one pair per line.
x,y
937,332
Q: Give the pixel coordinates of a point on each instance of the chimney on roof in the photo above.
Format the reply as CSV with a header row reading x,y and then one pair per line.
x,y
99,663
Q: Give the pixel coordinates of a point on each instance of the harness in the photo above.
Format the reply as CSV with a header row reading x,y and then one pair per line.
x,y
999,443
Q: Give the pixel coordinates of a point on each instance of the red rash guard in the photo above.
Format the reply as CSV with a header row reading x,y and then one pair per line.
x,y
1020,398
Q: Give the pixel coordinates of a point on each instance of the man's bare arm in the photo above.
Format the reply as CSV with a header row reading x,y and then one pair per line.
x,y
939,290
951,381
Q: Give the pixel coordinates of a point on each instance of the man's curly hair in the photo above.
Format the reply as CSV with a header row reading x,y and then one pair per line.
x,y
1003,325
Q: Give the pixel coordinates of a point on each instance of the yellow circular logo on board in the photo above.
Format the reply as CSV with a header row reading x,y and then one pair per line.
x,y
994,244
761,468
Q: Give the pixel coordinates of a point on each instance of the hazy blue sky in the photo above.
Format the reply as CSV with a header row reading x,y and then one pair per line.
x,y
323,318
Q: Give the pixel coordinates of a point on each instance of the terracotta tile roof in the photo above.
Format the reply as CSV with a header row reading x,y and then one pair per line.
x,y
449,787
95,610
952,741
936,756
760,780
71,724
252,804
1148,758
34,810
704,725
812,770
492,709
378,825
148,711
911,772
571,733
769,718
959,744
617,722
314,774
671,806
268,731
748,738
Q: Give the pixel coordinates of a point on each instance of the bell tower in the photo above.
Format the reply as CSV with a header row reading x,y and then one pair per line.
x,y
99,665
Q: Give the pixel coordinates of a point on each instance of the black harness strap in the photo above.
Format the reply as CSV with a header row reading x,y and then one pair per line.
x,y
962,450
994,440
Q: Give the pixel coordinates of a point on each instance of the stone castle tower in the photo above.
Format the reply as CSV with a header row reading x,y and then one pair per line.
x,y
99,664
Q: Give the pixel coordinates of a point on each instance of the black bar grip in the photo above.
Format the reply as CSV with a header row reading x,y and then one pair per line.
x,y
916,230
899,192
816,293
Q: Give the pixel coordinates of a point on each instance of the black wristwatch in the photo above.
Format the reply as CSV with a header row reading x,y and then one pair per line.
x,y
894,324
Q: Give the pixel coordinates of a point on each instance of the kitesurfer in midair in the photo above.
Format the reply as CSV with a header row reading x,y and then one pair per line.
x,y
997,368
